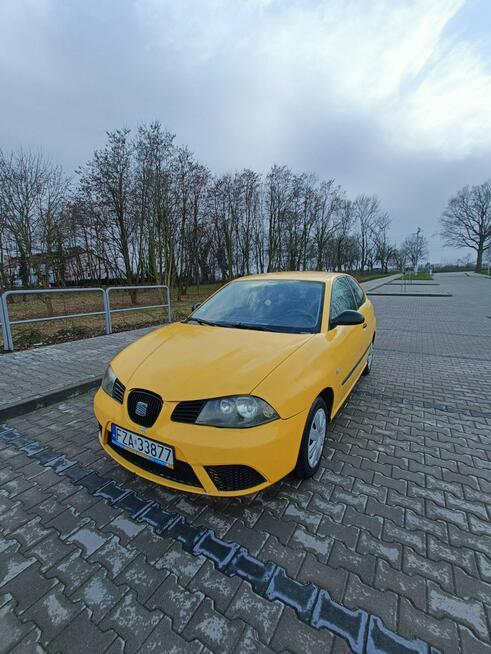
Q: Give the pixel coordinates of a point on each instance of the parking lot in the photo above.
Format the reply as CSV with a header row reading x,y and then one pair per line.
x,y
388,549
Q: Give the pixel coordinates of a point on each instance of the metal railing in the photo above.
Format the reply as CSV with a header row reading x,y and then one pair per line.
x,y
6,323
137,308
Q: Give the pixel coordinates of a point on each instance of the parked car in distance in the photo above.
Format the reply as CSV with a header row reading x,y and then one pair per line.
x,y
239,394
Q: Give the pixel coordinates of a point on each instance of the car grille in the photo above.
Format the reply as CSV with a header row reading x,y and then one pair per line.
x,y
234,477
118,391
181,473
144,407
187,411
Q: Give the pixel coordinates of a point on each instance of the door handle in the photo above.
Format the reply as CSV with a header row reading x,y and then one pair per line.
x,y
365,325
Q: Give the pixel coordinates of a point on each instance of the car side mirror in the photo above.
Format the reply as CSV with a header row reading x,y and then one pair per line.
x,y
195,306
348,317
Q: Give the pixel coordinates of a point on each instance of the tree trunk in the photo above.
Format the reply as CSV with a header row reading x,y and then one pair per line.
x,y
480,250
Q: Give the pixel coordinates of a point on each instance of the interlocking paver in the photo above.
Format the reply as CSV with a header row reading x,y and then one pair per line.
x,y
142,577
29,644
395,523
366,596
28,586
82,636
222,589
413,587
439,571
132,621
213,629
292,635
11,628
467,611
471,645
262,614
100,594
176,601
164,639
52,613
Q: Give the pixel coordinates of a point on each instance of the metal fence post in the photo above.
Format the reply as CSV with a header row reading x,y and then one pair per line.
x,y
169,314
8,344
107,312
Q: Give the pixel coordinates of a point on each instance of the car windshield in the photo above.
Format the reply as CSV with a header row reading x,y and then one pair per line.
x,y
270,305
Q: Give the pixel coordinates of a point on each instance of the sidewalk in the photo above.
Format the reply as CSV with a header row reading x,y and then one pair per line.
x,y
28,377
33,378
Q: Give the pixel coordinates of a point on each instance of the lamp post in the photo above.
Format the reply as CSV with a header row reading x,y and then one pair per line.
x,y
418,232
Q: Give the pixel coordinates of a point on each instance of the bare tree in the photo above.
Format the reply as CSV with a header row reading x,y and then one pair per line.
x,y
33,197
467,220
384,250
415,247
366,210
144,209
106,187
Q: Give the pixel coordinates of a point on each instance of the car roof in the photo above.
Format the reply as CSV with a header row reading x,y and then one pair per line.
x,y
305,275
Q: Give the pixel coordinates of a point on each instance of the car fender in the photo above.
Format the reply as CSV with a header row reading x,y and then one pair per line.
x,y
293,385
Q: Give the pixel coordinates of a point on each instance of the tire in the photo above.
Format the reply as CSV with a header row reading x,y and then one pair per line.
x,y
368,366
308,465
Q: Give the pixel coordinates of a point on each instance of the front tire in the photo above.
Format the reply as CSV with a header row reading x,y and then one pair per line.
x,y
313,439
368,366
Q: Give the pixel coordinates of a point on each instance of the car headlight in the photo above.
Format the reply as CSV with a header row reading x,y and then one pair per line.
x,y
108,381
237,411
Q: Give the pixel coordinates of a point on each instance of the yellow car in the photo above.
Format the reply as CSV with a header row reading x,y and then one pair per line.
x,y
239,395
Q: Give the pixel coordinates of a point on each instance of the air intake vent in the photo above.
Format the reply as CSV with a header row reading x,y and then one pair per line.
x,y
118,391
182,472
234,478
144,407
187,411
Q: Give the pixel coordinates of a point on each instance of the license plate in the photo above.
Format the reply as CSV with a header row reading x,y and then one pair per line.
x,y
145,447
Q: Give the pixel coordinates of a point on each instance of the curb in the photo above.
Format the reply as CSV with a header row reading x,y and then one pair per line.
x,y
15,409
382,282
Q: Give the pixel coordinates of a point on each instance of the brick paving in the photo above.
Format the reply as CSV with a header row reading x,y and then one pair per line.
x,y
388,549
30,374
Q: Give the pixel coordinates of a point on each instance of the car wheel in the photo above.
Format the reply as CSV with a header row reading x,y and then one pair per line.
x,y
368,366
313,439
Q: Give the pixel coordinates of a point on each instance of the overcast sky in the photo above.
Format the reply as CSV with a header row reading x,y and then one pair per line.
x,y
391,97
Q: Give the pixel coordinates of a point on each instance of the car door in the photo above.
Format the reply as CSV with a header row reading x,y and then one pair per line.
x,y
364,306
346,340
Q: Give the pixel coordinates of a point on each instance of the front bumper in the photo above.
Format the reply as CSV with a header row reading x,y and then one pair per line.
x,y
271,450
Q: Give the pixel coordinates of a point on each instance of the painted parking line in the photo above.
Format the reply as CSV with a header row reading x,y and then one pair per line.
x,y
363,632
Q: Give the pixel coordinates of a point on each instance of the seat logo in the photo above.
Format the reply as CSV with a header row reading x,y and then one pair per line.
x,y
141,409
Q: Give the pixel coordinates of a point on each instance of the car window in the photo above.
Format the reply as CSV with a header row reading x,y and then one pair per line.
x,y
357,292
276,305
342,297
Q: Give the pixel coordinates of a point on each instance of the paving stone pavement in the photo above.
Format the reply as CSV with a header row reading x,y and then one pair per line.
x,y
31,374
396,525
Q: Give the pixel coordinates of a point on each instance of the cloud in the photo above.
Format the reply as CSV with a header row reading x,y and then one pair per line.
x,y
391,59
387,96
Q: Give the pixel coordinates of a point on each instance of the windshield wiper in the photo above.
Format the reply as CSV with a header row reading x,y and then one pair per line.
x,y
200,321
245,325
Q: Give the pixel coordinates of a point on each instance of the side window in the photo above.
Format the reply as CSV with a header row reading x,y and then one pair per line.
x,y
357,292
341,297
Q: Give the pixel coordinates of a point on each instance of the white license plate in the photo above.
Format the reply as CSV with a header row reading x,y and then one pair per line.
x,y
142,446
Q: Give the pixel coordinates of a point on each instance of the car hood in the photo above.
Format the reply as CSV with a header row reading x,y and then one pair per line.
x,y
188,361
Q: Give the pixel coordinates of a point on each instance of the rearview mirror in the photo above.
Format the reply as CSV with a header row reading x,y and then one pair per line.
x,y
195,306
348,317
